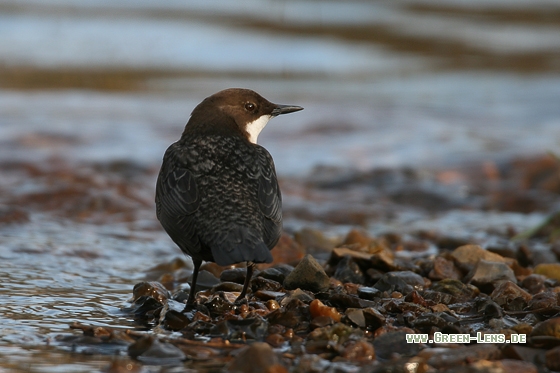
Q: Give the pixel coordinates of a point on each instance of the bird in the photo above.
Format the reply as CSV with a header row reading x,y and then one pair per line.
x,y
217,194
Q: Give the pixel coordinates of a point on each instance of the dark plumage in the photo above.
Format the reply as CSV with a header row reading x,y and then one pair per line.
x,y
217,195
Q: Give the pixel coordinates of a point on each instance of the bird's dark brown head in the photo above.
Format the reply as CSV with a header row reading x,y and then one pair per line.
x,y
234,112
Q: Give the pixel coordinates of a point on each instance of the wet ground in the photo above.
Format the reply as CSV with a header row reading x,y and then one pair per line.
x,y
428,120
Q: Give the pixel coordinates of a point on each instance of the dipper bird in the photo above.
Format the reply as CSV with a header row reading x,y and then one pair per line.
x,y
217,195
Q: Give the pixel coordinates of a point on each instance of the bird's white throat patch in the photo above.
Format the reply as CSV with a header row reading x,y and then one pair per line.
x,y
255,127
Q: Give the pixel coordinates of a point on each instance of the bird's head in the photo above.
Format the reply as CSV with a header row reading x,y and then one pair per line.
x,y
235,111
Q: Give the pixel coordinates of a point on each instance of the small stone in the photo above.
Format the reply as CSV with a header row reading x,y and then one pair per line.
x,y
534,283
507,291
348,271
150,349
287,250
150,289
356,316
373,318
308,275
258,357
368,293
236,275
467,256
401,281
356,237
459,356
550,270
456,288
314,240
317,308
553,359
277,273
487,274
443,269
360,350
394,343
549,328
541,301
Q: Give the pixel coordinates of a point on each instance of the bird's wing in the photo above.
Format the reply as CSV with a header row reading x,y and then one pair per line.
x,y
270,198
177,198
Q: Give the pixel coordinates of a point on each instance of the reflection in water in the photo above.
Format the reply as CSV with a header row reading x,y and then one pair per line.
x,y
92,92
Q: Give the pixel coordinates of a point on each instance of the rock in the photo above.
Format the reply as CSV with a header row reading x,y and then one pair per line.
x,y
286,251
550,270
317,308
534,283
277,273
541,301
236,275
549,328
506,292
150,289
394,343
308,275
368,293
500,366
553,359
360,351
443,269
401,281
373,318
358,238
467,256
486,274
457,289
348,271
258,357
356,316
150,350
314,241
460,356
241,330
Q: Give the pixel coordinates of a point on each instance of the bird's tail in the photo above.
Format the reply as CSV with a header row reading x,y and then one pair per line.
x,y
241,244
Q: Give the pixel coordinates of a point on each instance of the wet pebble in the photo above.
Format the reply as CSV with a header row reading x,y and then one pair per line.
x,y
552,359
443,268
393,344
150,350
151,289
348,271
507,292
543,301
457,289
548,328
451,358
534,283
486,274
277,273
317,308
467,256
258,357
236,275
549,270
368,293
401,281
373,318
308,275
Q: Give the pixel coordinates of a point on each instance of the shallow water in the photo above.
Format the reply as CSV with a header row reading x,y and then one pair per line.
x,y
86,85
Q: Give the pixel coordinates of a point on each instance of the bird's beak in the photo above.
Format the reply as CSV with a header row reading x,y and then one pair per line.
x,y
285,109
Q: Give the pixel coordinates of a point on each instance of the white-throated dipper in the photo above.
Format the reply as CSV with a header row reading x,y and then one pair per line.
x,y
217,195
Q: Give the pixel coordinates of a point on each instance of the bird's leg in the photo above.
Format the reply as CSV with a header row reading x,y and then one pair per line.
x,y
192,294
250,267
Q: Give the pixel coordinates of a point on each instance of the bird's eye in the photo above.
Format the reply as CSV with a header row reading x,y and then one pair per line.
x,y
250,106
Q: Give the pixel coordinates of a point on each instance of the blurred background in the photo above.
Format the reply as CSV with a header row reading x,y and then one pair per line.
x,y
92,93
